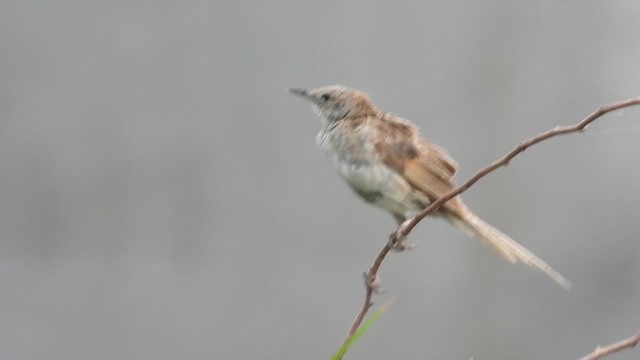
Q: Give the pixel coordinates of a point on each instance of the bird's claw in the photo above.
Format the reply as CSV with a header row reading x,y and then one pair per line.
x,y
398,242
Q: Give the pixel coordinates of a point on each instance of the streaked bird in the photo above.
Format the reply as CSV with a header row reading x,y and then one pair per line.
x,y
385,161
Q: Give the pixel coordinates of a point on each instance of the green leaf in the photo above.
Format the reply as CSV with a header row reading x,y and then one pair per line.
x,y
361,330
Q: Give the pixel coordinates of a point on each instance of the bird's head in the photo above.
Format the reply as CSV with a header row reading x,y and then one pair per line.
x,y
337,102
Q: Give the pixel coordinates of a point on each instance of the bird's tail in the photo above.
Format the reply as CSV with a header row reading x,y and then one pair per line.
x,y
467,221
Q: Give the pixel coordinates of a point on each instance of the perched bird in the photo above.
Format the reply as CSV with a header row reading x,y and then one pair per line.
x,y
385,161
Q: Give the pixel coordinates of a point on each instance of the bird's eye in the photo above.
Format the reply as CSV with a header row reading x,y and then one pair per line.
x,y
325,97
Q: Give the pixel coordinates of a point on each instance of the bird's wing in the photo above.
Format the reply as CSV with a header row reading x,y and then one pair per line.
x,y
425,166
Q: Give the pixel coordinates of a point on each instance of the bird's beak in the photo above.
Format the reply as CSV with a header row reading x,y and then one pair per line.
x,y
298,92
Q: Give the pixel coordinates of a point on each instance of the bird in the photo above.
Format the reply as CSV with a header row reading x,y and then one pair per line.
x,y
386,162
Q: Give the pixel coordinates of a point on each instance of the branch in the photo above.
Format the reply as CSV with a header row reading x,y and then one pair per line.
x,y
601,352
371,275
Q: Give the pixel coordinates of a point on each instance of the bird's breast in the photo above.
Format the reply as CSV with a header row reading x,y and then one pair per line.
x,y
357,162
347,143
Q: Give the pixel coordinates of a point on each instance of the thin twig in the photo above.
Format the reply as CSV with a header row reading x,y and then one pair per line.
x,y
601,352
403,230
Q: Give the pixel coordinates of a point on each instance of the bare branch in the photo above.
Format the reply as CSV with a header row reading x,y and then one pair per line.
x,y
601,352
371,275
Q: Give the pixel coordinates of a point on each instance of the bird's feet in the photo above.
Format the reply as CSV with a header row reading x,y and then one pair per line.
x,y
399,243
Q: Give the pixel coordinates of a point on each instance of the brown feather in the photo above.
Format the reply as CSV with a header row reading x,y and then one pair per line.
x,y
425,166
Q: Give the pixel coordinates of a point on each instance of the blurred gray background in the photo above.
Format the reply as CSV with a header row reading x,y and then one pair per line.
x,y
161,197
